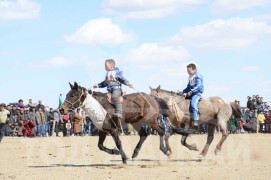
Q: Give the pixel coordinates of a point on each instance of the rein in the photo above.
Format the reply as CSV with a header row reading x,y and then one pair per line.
x,y
176,102
142,96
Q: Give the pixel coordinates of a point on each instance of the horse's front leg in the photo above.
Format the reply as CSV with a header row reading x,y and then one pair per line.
x,y
143,136
184,143
115,136
102,136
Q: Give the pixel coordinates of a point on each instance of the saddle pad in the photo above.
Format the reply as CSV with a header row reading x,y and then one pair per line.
x,y
95,111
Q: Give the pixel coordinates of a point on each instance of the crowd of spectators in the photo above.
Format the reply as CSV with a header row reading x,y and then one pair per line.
x,y
255,117
38,120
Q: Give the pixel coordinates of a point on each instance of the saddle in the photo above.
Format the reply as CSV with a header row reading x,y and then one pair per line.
x,y
121,99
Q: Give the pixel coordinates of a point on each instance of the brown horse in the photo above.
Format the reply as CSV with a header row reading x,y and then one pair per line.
x,y
214,111
137,109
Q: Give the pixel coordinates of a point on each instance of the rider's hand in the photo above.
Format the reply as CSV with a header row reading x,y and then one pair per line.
x,y
180,92
95,86
130,85
189,94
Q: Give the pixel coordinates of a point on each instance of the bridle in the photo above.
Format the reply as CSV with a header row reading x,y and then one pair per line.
x,y
78,100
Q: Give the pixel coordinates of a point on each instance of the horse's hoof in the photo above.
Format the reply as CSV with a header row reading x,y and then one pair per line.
x,y
168,153
169,156
200,156
124,161
134,155
217,152
194,147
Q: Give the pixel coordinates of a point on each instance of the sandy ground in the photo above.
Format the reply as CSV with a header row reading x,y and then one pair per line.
x,y
244,156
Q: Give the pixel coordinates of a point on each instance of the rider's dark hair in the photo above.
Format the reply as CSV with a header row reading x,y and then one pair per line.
x,y
193,66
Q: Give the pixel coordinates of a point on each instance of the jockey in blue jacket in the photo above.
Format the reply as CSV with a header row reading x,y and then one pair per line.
x,y
194,90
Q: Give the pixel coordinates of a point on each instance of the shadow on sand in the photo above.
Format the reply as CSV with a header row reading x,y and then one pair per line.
x,y
170,160
73,165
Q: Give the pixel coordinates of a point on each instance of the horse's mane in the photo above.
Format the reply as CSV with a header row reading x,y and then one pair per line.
x,y
170,92
97,93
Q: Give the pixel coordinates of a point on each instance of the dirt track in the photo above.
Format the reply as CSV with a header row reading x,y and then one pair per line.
x,y
245,156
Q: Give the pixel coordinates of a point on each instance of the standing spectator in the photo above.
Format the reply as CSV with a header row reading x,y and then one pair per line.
x,y
13,111
89,125
26,114
40,120
31,104
21,117
32,114
72,121
3,118
83,122
231,124
9,109
261,103
261,119
254,105
60,100
40,105
50,122
249,103
57,120
268,122
68,127
77,122
21,104
244,114
66,118
45,125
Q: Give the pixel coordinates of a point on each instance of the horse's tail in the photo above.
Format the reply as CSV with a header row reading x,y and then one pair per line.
x,y
236,110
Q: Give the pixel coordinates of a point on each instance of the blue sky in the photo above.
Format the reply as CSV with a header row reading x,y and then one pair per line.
x,y
45,44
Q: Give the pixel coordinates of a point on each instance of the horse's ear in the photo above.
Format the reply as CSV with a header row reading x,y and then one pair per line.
x,y
89,91
150,88
158,88
71,85
85,91
75,85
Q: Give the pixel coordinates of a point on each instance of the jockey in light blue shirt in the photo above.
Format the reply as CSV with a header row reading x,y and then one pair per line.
x,y
194,90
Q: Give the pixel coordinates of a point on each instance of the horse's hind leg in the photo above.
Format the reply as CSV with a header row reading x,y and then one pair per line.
x,y
211,132
169,151
225,134
143,136
116,138
102,136
156,127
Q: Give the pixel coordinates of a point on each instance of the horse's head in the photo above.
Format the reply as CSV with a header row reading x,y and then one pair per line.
x,y
161,93
74,98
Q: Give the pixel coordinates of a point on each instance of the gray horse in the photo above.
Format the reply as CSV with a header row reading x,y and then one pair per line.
x,y
214,111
